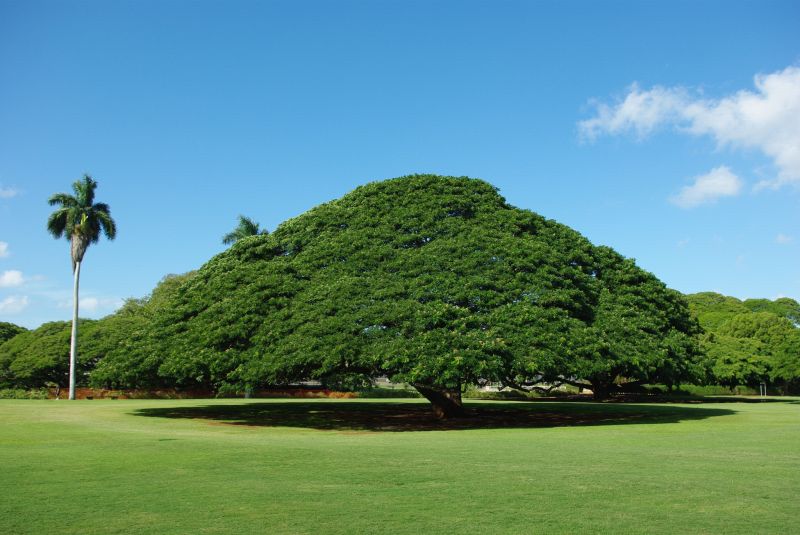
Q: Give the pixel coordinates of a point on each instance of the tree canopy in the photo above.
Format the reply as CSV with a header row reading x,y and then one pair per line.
x,y
782,306
9,330
434,281
750,342
120,341
33,359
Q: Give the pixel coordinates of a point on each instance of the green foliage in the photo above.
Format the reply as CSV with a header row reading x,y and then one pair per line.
x,y
122,341
507,394
642,332
737,361
21,393
33,358
387,393
79,219
430,280
750,342
783,307
246,228
712,309
9,330
714,390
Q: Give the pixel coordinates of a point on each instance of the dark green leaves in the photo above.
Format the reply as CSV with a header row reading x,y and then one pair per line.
x,y
427,279
79,218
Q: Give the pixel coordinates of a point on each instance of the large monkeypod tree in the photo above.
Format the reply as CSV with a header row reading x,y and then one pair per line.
x,y
433,281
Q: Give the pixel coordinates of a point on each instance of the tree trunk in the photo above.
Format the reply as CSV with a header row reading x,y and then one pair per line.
x,y
600,391
445,403
73,345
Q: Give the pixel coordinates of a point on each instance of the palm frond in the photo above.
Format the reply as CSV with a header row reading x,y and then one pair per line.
x,y
57,222
64,199
106,223
78,215
230,238
84,191
90,226
246,227
101,207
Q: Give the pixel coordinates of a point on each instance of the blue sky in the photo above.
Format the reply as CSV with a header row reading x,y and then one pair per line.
x,y
669,131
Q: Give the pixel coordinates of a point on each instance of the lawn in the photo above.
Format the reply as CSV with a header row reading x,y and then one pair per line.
x,y
361,466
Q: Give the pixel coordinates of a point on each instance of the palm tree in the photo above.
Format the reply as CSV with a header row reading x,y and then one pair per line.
x,y
246,227
80,220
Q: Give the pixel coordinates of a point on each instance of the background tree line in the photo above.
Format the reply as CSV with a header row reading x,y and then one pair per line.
x,y
749,342
432,281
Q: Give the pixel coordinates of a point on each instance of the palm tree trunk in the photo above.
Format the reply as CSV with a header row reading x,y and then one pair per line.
x,y
73,345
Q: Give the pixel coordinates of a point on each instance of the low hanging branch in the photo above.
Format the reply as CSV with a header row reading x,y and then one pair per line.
x,y
527,386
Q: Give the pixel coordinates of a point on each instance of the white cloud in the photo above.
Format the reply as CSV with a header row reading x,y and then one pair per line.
x,y
766,119
783,238
719,182
641,111
13,304
7,193
4,250
93,304
11,279
89,304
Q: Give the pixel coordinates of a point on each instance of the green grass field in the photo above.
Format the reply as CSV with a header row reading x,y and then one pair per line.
x,y
361,466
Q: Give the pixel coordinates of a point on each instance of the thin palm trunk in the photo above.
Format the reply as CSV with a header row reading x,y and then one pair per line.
x,y
80,220
73,345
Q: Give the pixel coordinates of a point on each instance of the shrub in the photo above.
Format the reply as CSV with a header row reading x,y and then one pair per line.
x,y
21,393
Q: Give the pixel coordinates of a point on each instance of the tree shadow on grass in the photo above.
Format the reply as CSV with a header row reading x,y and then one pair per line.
x,y
383,416
634,398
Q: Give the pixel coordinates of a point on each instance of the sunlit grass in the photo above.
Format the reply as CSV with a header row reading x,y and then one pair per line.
x,y
360,466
